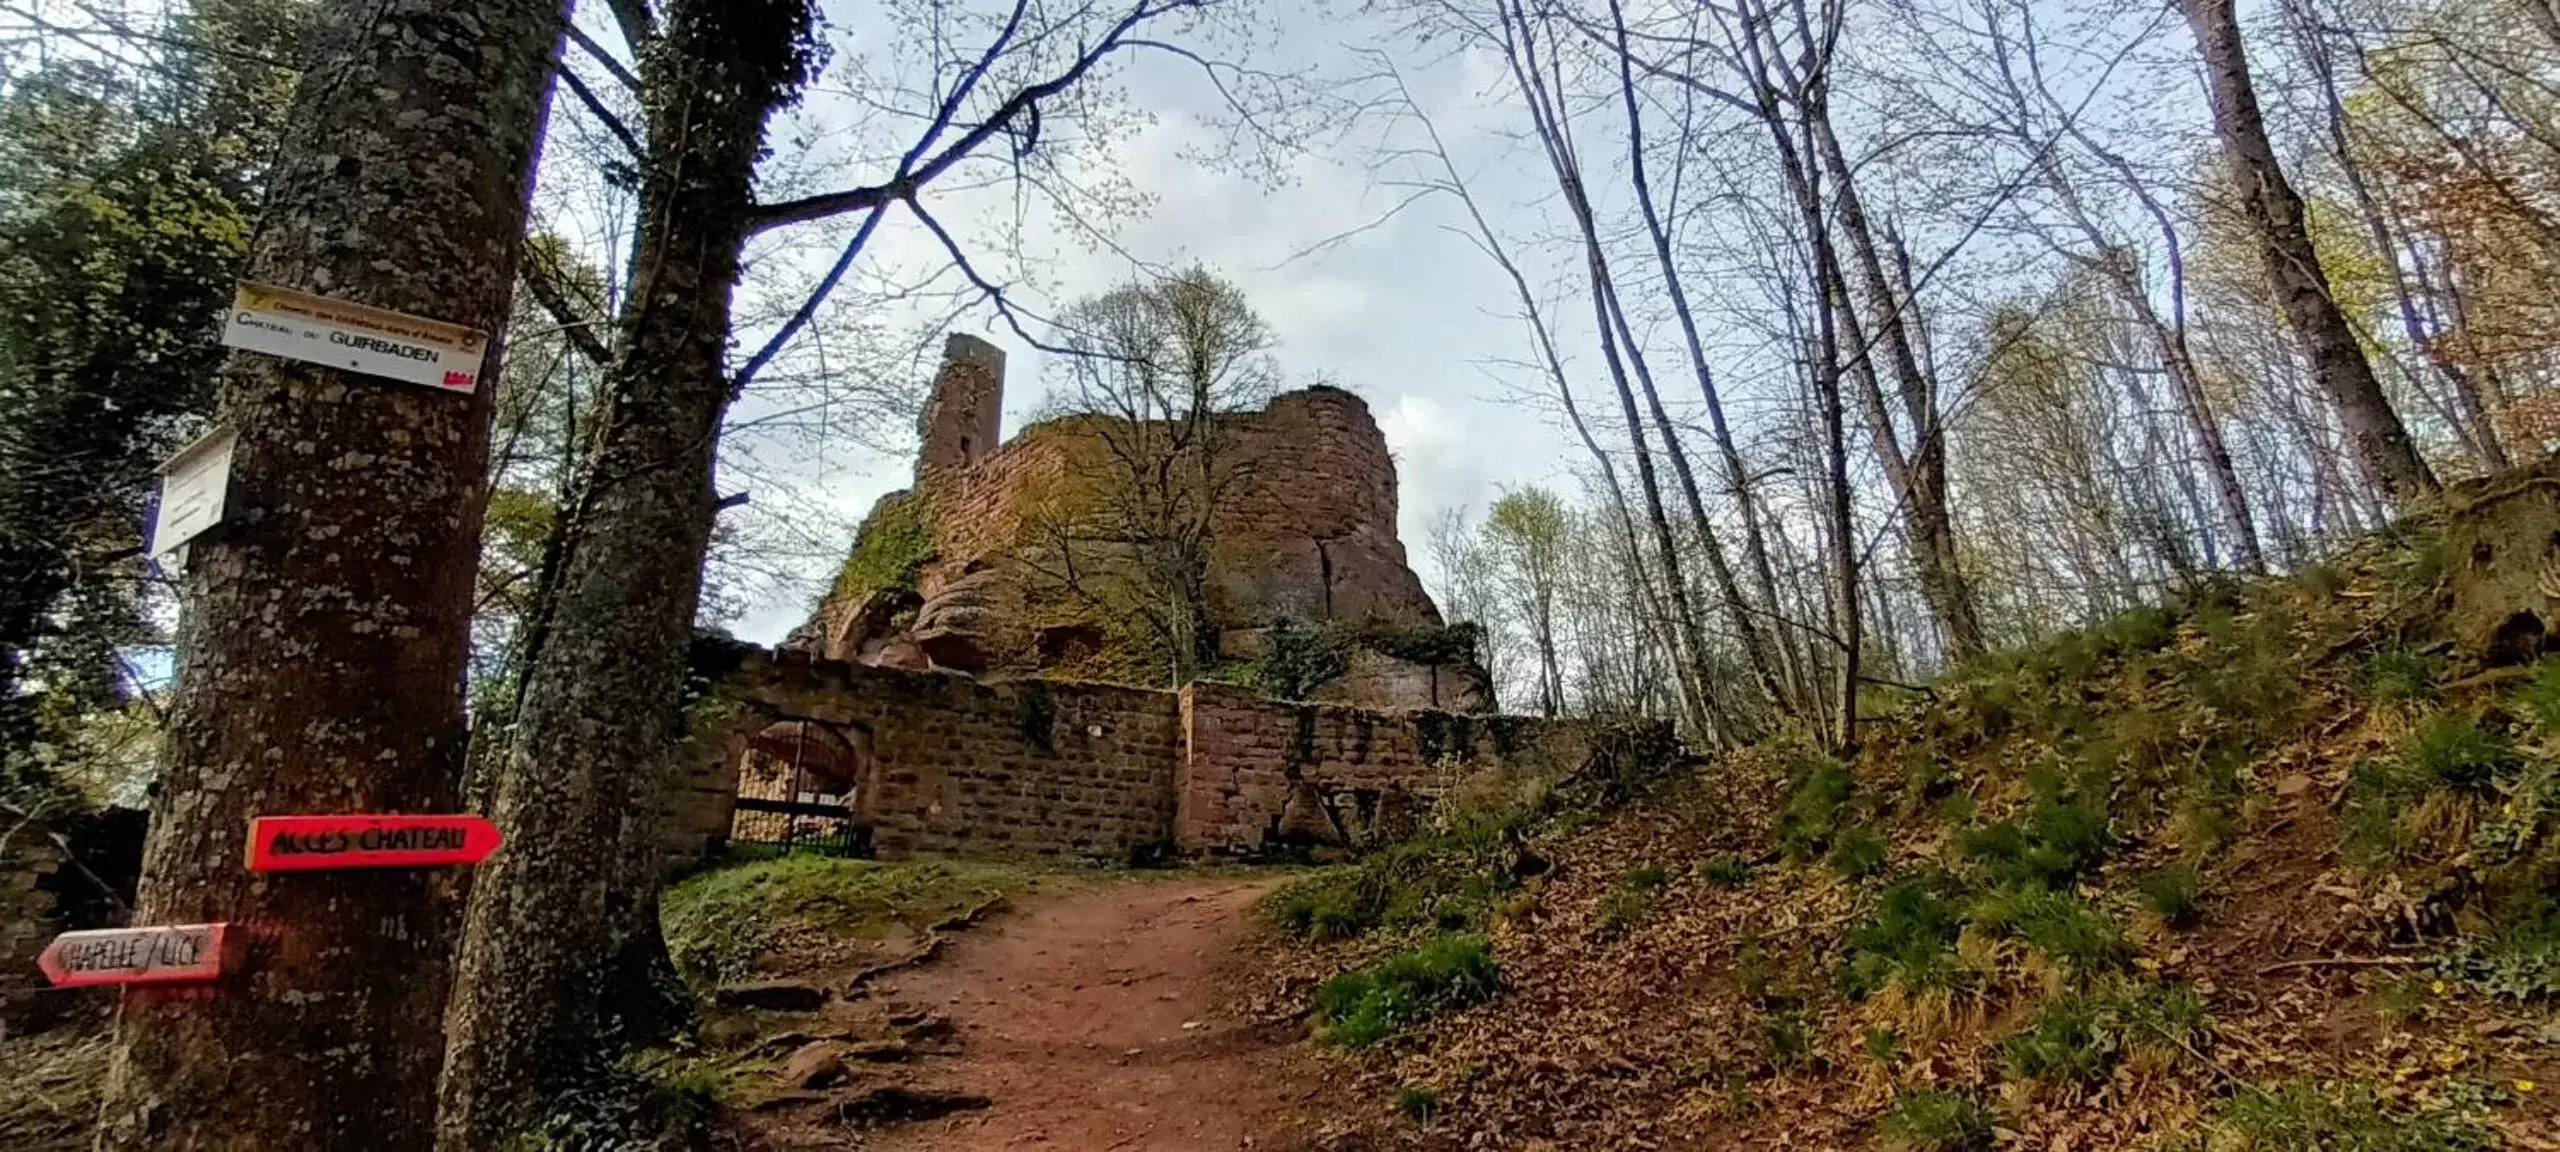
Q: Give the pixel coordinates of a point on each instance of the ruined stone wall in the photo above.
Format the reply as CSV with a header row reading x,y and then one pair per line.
x,y
1260,772
965,414
955,766
1310,529
1305,526
27,921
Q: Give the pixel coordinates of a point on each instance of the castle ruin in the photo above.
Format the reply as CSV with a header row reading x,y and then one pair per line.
x,y
947,698
963,571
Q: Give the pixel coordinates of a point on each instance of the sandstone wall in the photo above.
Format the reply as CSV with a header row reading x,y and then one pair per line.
x,y
955,766
1305,528
1310,530
27,922
1260,772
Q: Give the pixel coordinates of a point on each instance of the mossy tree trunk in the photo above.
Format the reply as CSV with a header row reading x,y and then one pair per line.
x,y
322,655
598,714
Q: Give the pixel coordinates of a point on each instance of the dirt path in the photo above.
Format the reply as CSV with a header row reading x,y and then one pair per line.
x,y
1098,1023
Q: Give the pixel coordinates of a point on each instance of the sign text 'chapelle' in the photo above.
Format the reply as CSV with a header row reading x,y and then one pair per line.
x,y
314,843
165,954
356,337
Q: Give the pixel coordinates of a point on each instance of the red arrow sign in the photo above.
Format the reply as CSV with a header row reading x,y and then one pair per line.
x,y
309,843
168,954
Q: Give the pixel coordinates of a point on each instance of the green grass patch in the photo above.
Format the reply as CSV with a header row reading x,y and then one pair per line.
x,y
2454,751
1630,898
1812,812
2538,698
2520,961
2065,930
2052,845
1418,1102
1725,871
2080,1038
1936,1120
2062,1046
2300,1116
2397,675
2175,894
1856,854
1907,941
719,922
1358,1009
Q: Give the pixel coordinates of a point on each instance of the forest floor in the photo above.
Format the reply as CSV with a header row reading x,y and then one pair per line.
x,y
1097,1014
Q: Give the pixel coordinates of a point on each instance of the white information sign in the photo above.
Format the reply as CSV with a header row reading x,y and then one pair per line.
x,y
374,341
194,485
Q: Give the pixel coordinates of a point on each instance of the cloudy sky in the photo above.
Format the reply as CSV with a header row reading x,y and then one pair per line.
x,y
1361,284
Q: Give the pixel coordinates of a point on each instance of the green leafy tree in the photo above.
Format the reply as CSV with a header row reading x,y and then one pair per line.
x,y
126,202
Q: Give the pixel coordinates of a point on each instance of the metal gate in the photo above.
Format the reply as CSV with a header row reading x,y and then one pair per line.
x,y
796,790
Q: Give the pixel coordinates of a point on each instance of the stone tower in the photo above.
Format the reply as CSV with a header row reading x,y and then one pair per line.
x,y
966,412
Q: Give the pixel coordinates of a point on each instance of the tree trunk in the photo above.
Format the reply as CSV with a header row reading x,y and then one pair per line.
x,y
321,661
2474,426
2275,215
1920,472
1755,649
600,707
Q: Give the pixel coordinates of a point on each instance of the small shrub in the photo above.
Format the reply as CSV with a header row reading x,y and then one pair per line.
x,y
1632,897
2139,630
1856,854
2321,580
2402,998
1882,1045
2062,1046
1937,1120
1909,940
2175,894
1357,1009
1418,1102
2064,929
1805,825
2397,675
2455,752
2299,1116
2520,961
1785,1041
1725,871
2205,820
1756,975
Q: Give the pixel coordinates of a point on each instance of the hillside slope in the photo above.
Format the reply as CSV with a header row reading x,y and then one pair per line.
x,y
2269,868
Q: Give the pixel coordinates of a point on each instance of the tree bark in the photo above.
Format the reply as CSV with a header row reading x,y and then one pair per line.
x,y
2474,426
322,656
2275,215
1755,649
600,707
1920,472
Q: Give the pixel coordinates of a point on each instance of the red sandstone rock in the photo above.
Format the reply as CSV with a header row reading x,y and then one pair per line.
x,y
1305,530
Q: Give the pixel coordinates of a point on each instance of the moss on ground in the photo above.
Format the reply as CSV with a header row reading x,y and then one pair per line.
x,y
720,923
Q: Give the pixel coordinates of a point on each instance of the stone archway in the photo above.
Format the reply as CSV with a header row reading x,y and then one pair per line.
x,y
802,784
